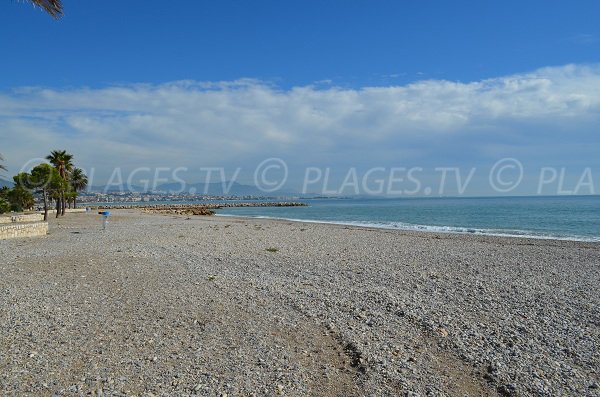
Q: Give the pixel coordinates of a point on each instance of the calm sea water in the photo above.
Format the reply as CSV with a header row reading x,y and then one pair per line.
x,y
563,217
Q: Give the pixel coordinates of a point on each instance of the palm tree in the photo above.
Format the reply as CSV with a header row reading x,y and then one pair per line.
x,y
79,182
52,7
1,166
62,161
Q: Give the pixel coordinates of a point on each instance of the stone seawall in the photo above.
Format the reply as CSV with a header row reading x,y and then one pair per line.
x,y
16,230
67,211
21,218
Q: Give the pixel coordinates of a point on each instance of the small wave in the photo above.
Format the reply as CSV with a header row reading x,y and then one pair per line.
x,y
436,229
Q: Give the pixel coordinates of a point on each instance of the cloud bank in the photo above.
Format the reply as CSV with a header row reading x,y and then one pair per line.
x,y
548,117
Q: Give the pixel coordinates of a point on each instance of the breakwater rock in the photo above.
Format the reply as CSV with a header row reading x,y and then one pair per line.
x,y
200,209
180,210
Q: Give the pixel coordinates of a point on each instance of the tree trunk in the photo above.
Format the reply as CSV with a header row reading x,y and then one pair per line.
x,y
74,202
58,206
45,205
64,204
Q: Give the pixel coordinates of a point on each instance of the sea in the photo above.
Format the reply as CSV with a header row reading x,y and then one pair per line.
x,y
557,217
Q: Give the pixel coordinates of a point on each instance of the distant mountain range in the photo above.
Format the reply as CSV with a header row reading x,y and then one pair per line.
x,y
211,189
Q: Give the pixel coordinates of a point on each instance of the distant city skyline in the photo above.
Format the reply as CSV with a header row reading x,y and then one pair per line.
x,y
329,89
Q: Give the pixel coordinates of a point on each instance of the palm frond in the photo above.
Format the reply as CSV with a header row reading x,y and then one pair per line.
x,y
52,7
62,161
78,179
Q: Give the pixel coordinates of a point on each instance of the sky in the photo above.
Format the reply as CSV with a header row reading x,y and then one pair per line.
x,y
330,96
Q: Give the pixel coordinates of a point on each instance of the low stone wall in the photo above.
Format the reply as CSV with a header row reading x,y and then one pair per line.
x,y
16,230
21,218
67,211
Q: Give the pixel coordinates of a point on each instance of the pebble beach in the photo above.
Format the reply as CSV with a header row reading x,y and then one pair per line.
x,y
177,305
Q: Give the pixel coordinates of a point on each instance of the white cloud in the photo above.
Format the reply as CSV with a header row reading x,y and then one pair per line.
x,y
232,124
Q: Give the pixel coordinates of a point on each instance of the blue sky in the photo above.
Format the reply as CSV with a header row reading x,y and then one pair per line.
x,y
353,43
336,84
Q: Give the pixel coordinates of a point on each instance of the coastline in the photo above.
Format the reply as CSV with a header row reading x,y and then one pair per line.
x,y
435,230
544,216
176,305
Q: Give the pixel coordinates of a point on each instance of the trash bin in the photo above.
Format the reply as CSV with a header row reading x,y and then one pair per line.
x,y
105,215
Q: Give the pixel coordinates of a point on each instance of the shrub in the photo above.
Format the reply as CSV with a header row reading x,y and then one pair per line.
x,y
4,206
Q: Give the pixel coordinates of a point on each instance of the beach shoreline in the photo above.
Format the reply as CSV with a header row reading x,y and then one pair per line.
x,y
409,231
194,305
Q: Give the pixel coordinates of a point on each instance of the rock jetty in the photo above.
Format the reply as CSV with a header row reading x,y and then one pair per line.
x,y
201,209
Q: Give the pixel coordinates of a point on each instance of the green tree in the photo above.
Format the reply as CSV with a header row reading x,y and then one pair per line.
x,y
62,161
4,204
19,197
44,179
78,182
70,195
